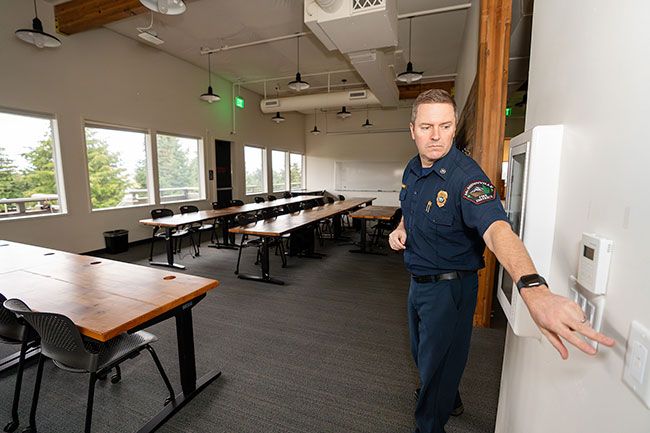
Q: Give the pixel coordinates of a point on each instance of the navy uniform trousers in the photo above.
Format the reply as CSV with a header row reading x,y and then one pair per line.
x,y
440,323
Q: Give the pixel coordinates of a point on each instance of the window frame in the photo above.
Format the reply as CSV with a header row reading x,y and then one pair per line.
x,y
56,156
287,175
156,167
265,172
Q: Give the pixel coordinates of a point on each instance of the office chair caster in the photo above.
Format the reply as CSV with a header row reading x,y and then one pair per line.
x,y
30,429
115,378
13,425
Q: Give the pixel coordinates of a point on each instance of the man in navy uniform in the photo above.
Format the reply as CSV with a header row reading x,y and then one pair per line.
x,y
451,211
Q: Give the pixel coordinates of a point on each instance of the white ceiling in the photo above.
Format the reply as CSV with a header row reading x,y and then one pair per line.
x,y
216,23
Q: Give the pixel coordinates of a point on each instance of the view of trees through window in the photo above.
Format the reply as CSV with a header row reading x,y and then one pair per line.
x,y
279,170
28,171
178,168
296,171
254,167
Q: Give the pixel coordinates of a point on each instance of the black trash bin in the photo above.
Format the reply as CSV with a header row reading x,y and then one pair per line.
x,y
117,241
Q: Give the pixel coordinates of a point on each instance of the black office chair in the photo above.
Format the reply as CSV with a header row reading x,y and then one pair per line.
x,y
294,207
16,331
271,198
346,220
197,228
62,342
236,202
259,199
381,227
245,219
286,194
160,234
219,205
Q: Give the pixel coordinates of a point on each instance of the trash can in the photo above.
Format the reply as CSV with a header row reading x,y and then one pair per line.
x,y
117,241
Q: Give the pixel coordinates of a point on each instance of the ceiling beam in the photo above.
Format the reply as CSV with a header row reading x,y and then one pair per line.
x,y
76,16
411,91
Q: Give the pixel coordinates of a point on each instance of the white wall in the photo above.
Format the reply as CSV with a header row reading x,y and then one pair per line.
x,y
346,140
468,58
589,71
102,76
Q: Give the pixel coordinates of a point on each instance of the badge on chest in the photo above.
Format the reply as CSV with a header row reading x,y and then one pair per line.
x,y
441,198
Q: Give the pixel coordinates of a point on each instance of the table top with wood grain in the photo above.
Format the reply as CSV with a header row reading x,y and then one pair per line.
x,y
283,224
103,297
375,212
203,215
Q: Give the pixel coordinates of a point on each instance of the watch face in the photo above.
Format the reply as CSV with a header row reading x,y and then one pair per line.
x,y
527,280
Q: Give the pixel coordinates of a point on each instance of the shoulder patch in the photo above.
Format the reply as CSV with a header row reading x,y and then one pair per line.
x,y
479,192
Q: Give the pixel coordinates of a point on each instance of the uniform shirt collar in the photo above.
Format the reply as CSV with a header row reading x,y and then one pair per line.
x,y
442,167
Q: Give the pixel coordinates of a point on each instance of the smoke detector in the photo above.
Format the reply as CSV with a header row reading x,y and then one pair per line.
x,y
151,37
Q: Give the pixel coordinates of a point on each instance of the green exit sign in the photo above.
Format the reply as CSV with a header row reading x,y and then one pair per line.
x,y
239,101
508,111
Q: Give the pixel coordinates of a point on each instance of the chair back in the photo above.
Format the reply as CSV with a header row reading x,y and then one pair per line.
x,y
259,200
246,218
219,205
396,218
60,338
265,214
10,327
330,200
341,197
287,194
236,202
320,201
188,208
294,207
161,213
271,198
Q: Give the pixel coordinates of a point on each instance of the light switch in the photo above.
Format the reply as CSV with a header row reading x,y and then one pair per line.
x,y
635,373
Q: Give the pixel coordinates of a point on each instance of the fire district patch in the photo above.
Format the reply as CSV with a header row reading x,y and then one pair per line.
x,y
479,192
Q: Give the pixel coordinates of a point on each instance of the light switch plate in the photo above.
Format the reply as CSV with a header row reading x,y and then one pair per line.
x,y
635,371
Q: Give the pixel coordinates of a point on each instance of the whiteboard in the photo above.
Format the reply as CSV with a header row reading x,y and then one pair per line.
x,y
381,176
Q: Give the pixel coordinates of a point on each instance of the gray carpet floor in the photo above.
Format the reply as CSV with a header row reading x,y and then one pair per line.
x,y
326,353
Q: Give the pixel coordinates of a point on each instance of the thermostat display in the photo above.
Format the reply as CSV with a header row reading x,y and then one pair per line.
x,y
593,266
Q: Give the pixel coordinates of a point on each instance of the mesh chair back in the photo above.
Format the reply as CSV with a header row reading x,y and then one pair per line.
x,y
271,198
246,218
219,205
160,213
286,194
188,208
60,338
265,214
341,197
330,200
279,210
259,200
320,201
10,328
294,207
236,203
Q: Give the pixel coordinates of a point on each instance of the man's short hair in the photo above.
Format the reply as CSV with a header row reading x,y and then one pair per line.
x,y
433,96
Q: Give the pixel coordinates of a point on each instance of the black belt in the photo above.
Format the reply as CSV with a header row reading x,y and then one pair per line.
x,y
440,277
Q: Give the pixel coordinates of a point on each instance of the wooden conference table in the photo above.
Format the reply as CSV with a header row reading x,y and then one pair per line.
x,y
367,213
283,224
179,220
105,298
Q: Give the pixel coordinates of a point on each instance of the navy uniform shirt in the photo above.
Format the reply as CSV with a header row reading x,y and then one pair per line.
x,y
446,209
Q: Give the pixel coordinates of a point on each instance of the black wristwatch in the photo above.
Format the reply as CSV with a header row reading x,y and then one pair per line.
x,y
530,280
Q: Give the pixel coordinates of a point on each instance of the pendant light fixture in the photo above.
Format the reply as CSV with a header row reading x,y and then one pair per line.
x,y
367,124
278,117
36,35
315,131
409,76
165,7
343,114
297,84
209,96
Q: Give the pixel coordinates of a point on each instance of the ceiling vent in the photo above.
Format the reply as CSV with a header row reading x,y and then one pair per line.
x,y
151,37
270,103
357,94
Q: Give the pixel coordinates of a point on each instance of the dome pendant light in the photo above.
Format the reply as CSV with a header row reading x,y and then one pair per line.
x,y
409,76
343,114
209,96
36,35
315,131
278,118
367,124
165,7
297,84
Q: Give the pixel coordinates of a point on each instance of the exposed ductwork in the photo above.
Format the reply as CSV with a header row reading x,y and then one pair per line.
x,y
359,29
307,103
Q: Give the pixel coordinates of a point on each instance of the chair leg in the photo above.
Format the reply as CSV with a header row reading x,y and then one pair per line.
x,y
91,397
153,240
283,256
37,388
117,376
239,255
198,245
168,384
13,425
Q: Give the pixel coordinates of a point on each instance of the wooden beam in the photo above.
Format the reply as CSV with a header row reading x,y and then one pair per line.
x,y
411,91
76,16
492,77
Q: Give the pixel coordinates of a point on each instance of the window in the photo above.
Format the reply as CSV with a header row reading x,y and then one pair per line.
x,y
117,167
179,168
297,171
255,174
30,177
279,170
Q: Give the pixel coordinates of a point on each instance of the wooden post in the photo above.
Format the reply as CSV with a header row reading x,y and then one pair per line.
x,y
492,77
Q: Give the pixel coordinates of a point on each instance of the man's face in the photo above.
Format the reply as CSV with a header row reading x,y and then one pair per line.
x,y
433,131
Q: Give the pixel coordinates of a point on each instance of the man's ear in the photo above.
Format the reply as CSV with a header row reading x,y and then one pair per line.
x,y
411,127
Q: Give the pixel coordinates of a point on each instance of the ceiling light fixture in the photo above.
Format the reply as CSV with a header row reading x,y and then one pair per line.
x,y
367,124
165,7
343,114
297,84
409,75
278,118
36,35
315,131
209,96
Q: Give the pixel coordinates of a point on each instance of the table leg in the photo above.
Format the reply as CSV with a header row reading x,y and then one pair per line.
x,y
11,360
169,246
363,243
225,234
265,277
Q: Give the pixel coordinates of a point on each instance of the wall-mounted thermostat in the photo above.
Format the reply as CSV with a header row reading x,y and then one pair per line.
x,y
593,266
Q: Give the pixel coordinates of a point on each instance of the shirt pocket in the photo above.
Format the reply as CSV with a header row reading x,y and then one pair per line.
x,y
402,194
440,217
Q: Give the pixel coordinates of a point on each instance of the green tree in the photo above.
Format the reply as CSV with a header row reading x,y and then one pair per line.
x,y
108,180
175,170
39,176
295,173
9,177
254,182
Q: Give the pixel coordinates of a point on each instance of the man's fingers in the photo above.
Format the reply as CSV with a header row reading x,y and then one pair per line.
x,y
556,342
578,342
